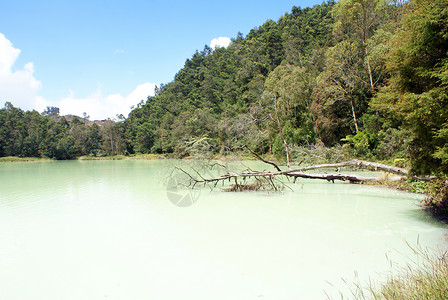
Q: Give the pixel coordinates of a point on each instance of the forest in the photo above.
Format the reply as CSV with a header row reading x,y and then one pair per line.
x,y
366,77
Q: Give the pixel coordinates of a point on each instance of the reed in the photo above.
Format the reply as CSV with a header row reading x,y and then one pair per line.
x,y
426,277
22,159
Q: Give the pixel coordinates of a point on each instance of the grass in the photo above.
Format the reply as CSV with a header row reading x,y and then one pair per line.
x,y
111,157
436,191
429,281
22,159
86,157
424,278
123,157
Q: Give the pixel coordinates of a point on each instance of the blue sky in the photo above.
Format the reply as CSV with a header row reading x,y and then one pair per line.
x,y
101,57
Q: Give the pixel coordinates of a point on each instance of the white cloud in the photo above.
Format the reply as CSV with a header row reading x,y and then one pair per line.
x,y
16,86
100,106
220,42
21,88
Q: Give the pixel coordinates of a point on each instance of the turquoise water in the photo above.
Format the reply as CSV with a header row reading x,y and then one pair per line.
x,y
110,230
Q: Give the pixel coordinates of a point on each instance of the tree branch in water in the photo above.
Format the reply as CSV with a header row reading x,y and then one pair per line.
x,y
268,180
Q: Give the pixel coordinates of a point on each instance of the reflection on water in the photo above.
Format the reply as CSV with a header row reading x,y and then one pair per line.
x,y
108,230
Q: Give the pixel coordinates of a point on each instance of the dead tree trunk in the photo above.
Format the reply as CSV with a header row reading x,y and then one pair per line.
x,y
277,120
265,179
357,163
343,177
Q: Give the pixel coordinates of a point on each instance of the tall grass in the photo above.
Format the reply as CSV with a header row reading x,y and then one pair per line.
x,y
423,278
22,159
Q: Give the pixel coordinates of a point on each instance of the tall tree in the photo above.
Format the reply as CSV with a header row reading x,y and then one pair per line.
x,y
291,88
359,20
418,88
340,90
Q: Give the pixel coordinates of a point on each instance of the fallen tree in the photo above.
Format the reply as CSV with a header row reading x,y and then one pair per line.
x,y
344,177
269,180
359,164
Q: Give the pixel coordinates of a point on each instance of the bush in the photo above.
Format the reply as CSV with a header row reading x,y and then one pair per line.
x,y
363,143
393,143
437,200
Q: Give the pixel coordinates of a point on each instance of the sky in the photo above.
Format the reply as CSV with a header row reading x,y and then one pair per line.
x,y
103,57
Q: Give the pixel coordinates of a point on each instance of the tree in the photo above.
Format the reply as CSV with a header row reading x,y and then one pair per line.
x,y
13,130
93,142
226,83
144,138
287,96
340,90
36,128
51,112
293,86
112,137
359,20
418,88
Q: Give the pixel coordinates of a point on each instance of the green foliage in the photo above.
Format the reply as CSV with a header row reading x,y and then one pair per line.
x,y
278,148
144,139
437,199
425,277
418,90
318,153
363,143
393,143
372,73
340,94
217,90
30,134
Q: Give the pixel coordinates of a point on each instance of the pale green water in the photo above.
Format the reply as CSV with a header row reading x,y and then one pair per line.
x,y
107,230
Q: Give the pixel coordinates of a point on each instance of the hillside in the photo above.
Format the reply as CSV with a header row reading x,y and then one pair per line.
x,y
369,74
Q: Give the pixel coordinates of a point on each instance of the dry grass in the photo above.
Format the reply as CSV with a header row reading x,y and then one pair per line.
x,y
22,159
427,282
425,278
123,157
242,187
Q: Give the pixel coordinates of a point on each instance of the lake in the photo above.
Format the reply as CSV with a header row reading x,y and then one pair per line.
x,y
111,230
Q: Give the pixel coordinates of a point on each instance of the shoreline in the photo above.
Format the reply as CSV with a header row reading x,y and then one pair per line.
x,y
119,157
402,185
82,158
23,159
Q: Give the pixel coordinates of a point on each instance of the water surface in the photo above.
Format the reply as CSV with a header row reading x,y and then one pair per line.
x,y
108,230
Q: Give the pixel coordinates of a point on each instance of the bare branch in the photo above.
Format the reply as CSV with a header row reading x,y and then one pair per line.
x,y
358,163
268,176
277,119
262,159
343,177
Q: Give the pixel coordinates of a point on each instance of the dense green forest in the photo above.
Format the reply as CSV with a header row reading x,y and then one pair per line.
x,y
367,74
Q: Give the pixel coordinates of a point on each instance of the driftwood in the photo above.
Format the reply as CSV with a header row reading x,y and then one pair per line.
x,y
360,164
267,180
344,177
270,179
